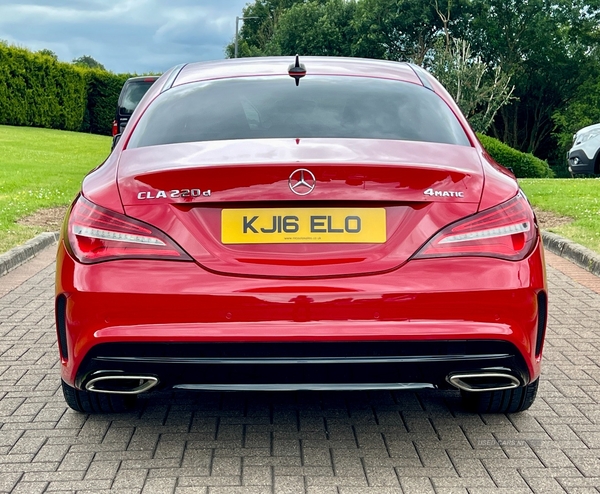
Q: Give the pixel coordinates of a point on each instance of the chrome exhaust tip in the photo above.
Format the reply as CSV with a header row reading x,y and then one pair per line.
x,y
477,382
121,384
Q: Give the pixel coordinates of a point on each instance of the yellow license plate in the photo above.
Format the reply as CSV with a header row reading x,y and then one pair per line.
x,y
303,225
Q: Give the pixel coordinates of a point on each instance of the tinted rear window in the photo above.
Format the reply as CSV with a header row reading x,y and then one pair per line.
x,y
273,107
131,95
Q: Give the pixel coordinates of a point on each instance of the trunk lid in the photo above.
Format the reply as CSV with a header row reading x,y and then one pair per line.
x,y
240,207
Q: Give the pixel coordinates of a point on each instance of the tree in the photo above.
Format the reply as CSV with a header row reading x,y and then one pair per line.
x,y
316,28
478,91
48,53
255,35
88,61
543,45
401,30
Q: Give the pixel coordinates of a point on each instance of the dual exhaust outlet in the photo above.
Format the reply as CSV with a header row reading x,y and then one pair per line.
x,y
473,382
477,382
122,384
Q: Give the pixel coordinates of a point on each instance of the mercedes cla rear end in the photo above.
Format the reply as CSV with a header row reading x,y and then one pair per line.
x,y
312,224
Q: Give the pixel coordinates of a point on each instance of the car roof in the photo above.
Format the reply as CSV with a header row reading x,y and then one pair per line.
x,y
269,66
143,78
589,127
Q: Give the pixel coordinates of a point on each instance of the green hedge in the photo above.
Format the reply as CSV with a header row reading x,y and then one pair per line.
x,y
103,90
523,165
36,90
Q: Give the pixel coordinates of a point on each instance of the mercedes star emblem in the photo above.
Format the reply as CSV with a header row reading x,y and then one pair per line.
x,y
302,182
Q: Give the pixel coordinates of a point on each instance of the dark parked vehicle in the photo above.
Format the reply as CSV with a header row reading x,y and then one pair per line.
x,y
133,91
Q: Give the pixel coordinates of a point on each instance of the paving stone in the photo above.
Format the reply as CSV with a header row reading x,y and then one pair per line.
x,y
288,484
9,480
300,443
417,485
29,488
159,486
130,479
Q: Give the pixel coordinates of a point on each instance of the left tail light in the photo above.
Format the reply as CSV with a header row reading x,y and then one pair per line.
x,y
507,231
115,128
96,234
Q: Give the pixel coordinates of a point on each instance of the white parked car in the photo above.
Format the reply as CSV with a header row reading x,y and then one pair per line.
x,y
584,157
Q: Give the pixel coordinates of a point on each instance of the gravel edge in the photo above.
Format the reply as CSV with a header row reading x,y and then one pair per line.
x,y
23,253
582,256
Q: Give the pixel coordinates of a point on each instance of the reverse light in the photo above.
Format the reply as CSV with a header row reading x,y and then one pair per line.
x,y
507,231
96,234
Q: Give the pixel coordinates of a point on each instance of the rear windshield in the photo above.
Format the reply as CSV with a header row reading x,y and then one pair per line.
x,y
321,106
132,94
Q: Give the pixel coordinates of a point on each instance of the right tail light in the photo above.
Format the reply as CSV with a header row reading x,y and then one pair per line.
x,y
507,231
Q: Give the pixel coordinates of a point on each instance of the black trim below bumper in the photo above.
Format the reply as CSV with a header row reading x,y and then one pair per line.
x,y
292,363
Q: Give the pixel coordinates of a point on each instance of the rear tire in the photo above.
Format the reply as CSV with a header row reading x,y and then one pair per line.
x,y
506,401
88,402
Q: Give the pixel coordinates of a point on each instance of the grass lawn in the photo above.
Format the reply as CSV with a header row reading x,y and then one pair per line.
x,y
577,198
41,168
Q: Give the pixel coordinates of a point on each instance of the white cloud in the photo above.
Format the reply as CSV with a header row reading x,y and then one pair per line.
x,y
125,36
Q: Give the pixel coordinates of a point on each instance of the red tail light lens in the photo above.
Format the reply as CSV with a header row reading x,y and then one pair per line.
x,y
507,231
96,234
115,128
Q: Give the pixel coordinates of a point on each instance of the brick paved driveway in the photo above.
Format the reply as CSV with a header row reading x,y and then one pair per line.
x,y
369,442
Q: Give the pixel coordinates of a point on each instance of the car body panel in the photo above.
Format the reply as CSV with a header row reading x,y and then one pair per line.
x,y
376,293
397,176
423,300
222,69
412,167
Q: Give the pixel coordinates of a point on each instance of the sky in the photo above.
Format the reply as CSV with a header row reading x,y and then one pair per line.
x,y
126,36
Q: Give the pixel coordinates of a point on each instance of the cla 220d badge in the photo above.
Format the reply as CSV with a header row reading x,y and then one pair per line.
x,y
172,194
302,182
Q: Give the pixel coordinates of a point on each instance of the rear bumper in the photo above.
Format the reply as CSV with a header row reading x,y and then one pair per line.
x,y
302,365
417,324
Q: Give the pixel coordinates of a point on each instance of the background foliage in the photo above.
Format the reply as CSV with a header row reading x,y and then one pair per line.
x,y
36,90
103,90
523,165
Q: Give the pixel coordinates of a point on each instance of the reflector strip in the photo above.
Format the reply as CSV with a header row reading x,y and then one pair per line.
x,y
491,233
117,237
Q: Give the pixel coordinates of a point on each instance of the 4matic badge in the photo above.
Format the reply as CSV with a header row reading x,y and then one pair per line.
x,y
443,193
172,194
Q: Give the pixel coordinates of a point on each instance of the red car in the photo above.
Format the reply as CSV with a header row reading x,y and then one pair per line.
x,y
312,224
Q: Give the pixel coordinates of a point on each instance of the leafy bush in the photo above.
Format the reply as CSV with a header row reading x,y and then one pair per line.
x,y
523,165
36,90
103,90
